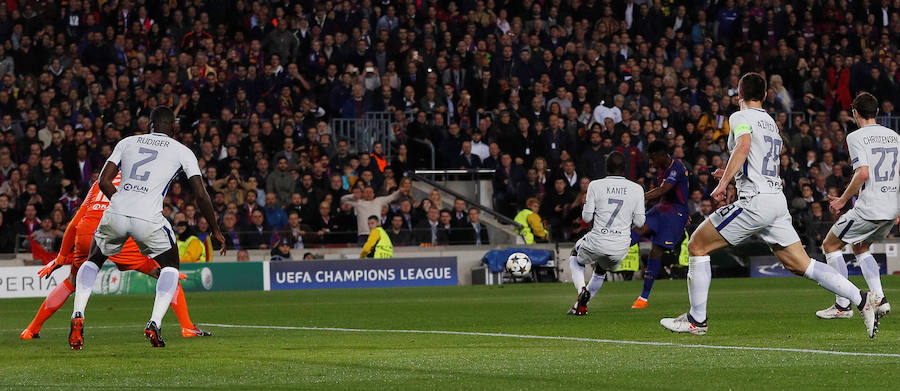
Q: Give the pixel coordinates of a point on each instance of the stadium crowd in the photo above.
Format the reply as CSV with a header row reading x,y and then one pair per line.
x,y
541,91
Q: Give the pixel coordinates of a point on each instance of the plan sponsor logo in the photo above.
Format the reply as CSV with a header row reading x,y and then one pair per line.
x,y
137,188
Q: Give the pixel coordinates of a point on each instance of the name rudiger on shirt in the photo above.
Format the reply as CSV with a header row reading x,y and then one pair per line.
x,y
153,142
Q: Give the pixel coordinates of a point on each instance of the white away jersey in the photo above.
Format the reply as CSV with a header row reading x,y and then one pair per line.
x,y
148,164
876,147
614,204
759,175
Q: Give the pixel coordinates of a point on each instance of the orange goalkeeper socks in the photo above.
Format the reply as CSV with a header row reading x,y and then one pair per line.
x,y
179,305
53,302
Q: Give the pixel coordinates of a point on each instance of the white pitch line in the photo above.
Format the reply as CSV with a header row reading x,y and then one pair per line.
x,y
547,337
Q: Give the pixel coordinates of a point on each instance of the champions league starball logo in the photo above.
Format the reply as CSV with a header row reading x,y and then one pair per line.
x,y
206,278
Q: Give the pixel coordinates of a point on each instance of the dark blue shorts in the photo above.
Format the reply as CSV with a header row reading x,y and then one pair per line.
x,y
668,228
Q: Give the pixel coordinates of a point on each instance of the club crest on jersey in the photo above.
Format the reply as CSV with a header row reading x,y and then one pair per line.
x,y
137,188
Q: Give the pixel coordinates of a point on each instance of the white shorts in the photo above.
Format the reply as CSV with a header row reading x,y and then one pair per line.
x,y
587,256
152,237
763,214
851,228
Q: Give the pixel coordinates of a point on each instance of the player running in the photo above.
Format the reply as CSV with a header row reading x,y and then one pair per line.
x,y
74,250
614,204
761,209
148,164
667,219
873,152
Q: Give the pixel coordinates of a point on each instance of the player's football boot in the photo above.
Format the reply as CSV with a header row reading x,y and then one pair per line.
x,y
28,334
151,332
835,312
76,332
867,309
640,303
883,309
580,307
684,323
194,332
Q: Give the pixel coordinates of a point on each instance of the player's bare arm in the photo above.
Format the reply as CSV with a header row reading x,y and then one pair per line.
x,y
860,176
658,192
206,208
106,179
735,161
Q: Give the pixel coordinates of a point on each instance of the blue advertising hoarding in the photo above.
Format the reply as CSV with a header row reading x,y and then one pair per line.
x,y
769,266
363,273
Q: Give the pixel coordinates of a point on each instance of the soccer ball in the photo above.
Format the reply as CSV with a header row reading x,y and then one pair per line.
x,y
518,264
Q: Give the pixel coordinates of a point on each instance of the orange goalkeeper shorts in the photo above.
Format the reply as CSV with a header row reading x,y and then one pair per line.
x,y
129,259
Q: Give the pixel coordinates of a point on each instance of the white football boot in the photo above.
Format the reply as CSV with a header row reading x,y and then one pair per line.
x,y
684,323
867,309
883,308
835,312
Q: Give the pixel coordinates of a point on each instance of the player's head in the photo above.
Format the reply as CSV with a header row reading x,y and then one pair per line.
x,y
752,87
162,120
615,164
374,221
659,154
865,106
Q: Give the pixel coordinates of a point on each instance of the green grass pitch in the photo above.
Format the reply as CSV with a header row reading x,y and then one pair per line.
x,y
772,313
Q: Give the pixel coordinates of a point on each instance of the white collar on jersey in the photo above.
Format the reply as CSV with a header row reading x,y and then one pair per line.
x,y
159,134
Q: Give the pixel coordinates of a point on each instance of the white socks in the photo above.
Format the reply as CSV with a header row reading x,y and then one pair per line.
x,y
577,273
165,290
830,279
595,284
698,279
870,272
84,284
836,261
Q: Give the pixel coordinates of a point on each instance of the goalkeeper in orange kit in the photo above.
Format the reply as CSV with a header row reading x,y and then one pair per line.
x,y
74,250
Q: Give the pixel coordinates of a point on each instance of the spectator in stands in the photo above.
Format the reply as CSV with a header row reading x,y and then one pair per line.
x,y
7,236
429,231
467,160
47,236
280,182
369,205
459,214
243,256
474,231
505,182
259,233
231,232
399,234
446,228
275,216
294,231
553,207
529,188
281,251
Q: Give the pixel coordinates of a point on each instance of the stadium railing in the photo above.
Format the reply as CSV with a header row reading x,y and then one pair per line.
x,y
422,175
362,133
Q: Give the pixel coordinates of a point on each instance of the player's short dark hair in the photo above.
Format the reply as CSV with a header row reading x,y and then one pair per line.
x,y
658,146
866,105
752,86
373,217
162,119
615,163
